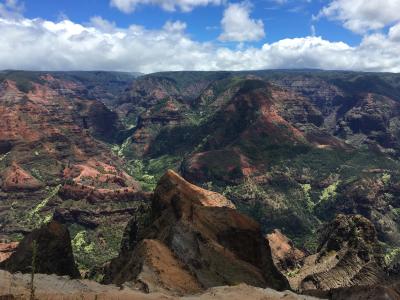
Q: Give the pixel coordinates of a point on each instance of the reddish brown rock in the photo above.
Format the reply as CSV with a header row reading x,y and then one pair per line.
x,y
173,187
286,256
6,249
16,178
213,242
154,267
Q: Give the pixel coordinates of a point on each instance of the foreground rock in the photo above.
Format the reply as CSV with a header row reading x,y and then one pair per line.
x,y
53,252
349,255
194,240
52,287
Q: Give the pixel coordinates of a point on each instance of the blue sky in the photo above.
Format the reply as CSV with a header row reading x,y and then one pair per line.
x,y
157,35
289,20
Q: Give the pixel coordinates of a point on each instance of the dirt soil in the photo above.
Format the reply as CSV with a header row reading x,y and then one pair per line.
x,y
51,287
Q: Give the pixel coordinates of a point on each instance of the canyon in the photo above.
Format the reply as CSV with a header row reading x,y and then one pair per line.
x,y
181,182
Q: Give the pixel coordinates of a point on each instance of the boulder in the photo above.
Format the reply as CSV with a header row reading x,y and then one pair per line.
x,y
53,252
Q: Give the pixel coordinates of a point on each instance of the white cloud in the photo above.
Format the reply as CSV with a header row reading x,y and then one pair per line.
x,y
11,9
128,6
101,24
238,26
361,16
394,33
38,44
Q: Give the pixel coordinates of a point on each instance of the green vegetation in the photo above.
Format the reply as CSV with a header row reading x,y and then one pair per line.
x,y
293,273
136,168
34,215
306,190
95,247
148,172
80,243
386,178
120,150
3,157
36,173
329,193
392,255
280,204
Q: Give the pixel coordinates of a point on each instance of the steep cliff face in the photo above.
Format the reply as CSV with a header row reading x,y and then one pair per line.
x,y
194,236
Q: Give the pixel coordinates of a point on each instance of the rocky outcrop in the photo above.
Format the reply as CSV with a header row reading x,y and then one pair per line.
x,y
16,178
349,255
173,188
53,252
154,267
285,255
6,249
202,238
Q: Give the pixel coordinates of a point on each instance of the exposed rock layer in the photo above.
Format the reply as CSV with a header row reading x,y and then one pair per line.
x,y
201,237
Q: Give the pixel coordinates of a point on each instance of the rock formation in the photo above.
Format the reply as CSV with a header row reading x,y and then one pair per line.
x,y
285,255
6,249
349,255
53,253
193,236
17,179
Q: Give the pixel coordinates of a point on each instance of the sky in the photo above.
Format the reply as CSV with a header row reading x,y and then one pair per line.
x,y
171,35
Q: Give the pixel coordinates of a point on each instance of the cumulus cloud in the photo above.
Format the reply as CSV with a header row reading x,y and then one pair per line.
x,y
361,16
238,26
38,44
394,33
128,6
